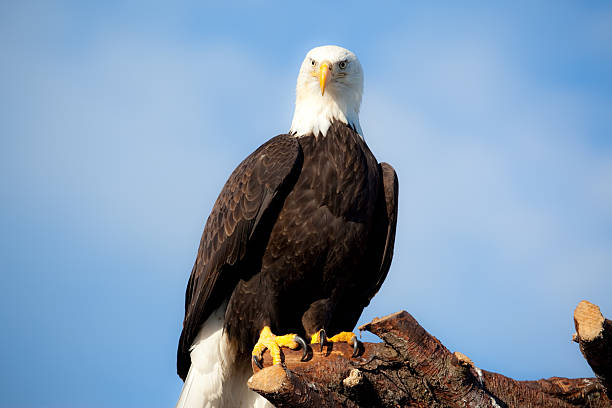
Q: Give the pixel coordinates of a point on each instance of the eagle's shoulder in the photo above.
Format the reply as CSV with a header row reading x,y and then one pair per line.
x,y
246,205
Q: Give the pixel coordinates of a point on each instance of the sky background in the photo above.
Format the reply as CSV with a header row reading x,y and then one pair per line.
x,y
120,122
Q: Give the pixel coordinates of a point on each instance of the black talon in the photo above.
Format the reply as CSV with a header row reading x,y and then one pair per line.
x,y
323,339
302,344
257,363
355,346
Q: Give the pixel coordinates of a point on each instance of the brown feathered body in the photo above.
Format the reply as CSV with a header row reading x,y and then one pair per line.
x,y
300,239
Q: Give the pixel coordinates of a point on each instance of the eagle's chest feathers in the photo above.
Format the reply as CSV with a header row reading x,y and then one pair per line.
x,y
339,173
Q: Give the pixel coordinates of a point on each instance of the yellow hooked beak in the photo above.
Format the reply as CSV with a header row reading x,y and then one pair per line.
x,y
324,75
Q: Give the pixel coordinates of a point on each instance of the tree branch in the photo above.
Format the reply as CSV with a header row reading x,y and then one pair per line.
x,y
412,368
594,334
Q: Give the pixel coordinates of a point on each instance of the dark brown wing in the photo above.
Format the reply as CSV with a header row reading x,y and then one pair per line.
x,y
243,214
385,222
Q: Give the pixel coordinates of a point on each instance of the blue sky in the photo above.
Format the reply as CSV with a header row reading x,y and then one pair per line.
x,y
121,121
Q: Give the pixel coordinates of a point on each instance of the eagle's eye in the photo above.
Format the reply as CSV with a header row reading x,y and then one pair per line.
x,y
342,64
313,62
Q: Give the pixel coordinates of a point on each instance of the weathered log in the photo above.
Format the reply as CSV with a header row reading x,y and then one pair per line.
x,y
410,368
594,334
284,388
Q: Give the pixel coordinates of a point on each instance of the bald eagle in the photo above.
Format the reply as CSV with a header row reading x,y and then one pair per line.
x,y
298,242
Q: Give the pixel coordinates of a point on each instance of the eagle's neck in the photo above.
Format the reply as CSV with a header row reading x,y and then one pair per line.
x,y
314,113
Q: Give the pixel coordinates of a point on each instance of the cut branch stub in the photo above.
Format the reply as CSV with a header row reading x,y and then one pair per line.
x,y
594,334
284,388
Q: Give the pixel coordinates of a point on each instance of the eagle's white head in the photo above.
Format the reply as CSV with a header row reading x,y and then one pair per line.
x,y
329,87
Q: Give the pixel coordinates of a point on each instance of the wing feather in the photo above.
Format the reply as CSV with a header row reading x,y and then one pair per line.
x,y
386,222
264,178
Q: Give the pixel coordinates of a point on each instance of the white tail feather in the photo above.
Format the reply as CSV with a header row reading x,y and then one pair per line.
x,y
215,379
193,392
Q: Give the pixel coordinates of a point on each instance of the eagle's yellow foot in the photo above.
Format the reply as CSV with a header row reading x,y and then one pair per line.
x,y
342,337
267,340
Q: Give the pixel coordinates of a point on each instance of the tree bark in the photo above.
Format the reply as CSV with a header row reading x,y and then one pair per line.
x,y
411,368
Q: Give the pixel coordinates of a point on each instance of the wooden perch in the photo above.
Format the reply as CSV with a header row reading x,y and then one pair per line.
x,y
411,368
594,334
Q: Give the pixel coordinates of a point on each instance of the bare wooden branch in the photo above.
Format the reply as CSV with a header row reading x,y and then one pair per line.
x,y
410,368
284,388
